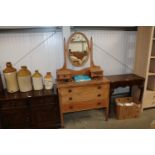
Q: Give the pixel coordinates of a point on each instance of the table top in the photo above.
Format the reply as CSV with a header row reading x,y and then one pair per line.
x,y
24,95
124,78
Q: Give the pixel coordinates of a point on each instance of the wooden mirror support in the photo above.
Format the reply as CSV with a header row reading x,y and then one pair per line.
x,y
65,74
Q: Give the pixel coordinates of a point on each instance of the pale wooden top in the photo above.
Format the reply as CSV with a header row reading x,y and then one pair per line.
x,y
74,84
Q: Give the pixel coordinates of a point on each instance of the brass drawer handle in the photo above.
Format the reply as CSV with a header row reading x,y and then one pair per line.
x,y
70,98
70,107
69,90
99,87
99,95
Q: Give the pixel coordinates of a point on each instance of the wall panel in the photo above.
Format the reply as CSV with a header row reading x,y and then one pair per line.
x,y
113,50
48,56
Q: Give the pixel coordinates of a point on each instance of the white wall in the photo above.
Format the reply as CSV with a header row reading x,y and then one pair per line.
x,y
46,57
113,50
49,55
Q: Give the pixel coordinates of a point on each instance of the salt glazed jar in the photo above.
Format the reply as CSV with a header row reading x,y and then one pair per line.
x,y
37,81
10,75
48,81
24,79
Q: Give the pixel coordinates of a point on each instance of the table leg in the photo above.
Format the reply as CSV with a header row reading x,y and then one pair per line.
x,y
130,90
110,100
106,114
141,87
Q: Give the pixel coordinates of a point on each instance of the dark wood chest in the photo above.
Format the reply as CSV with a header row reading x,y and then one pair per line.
x,y
32,110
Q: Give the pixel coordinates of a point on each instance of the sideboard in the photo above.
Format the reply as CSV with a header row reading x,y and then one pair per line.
x,y
31,110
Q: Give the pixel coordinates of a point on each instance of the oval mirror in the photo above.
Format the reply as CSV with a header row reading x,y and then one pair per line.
x,y
78,49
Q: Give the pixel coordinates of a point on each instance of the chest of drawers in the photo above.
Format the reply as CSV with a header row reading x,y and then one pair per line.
x,y
83,96
35,109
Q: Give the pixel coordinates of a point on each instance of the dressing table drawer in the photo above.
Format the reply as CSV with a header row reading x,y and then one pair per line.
x,y
78,106
79,90
82,97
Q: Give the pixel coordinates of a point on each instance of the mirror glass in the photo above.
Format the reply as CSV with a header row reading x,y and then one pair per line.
x,y
78,50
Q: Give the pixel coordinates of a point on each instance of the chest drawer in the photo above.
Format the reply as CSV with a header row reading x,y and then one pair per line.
x,y
42,101
79,90
15,118
83,93
13,104
78,106
80,94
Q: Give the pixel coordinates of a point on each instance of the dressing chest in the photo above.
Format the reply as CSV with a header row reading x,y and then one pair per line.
x,y
85,94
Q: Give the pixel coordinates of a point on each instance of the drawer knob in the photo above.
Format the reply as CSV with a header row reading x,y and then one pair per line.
x,y
69,90
99,87
99,95
99,103
70,107
70,98
153,102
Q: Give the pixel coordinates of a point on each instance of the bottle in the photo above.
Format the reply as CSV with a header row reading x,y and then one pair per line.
x,y
37,80
10,75
48,81
24,79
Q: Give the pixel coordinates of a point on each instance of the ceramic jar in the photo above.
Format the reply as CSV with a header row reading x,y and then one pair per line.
x,y
37,81
10,75
24,79
48,81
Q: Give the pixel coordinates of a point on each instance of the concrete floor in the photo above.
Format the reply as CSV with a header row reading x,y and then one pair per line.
x,y
94,119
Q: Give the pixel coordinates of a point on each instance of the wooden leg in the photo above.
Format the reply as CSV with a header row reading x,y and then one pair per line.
x,y
62,121
110,101
141,92
130,90
106,114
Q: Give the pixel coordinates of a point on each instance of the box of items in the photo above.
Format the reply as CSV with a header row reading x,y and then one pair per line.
x,y
127,107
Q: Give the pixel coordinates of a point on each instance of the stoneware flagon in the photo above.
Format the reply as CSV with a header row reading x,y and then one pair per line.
x,y
48,81
10,74
24,79
37,81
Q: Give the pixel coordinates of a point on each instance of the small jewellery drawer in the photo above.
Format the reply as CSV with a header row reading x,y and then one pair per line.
x,y
64,76
78,106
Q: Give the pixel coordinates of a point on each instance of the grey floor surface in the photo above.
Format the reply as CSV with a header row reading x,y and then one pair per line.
x,y
94,119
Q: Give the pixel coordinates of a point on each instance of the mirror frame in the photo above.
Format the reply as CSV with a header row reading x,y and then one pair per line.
x,y
67,49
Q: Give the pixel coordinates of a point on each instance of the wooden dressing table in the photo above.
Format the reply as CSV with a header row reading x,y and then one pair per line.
x,y
77,96
124,80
